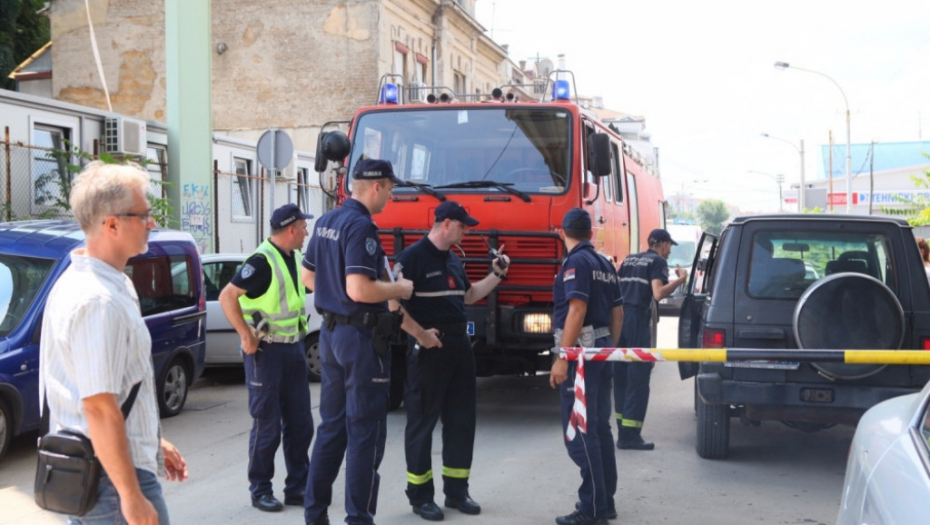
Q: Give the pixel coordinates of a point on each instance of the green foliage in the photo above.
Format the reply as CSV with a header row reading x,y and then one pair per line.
x,y
22,33
712,214
70,162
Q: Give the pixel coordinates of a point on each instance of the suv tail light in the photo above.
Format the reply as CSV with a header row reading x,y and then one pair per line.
x,y
714,338
925,343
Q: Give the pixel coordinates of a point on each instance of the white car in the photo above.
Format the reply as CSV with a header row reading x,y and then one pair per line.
x,y
222,340
888,471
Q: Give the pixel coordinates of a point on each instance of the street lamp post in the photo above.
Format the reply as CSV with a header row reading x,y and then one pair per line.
x,y
779,179
800,150
785,65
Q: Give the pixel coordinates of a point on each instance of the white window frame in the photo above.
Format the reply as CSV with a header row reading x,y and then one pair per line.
x,y
248,201
44,124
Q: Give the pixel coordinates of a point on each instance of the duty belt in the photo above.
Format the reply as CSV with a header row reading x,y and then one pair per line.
x,y
449,328
275,338
368,320
587,337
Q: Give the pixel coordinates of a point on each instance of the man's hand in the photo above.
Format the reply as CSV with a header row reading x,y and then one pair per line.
x,y
559,373
138,511
405,286
496,266
681,272
429,339
249,344
175,466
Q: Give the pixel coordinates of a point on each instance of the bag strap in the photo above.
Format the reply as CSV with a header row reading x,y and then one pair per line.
x,y
126,408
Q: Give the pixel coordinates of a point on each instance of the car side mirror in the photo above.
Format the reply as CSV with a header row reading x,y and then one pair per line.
x,y
599,154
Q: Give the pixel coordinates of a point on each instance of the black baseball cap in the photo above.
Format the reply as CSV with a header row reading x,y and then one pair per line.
x,y
456,212
576,219
372,169
286,215
659,235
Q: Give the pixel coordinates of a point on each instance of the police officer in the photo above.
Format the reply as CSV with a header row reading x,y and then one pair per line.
x,y
440,362
643,277
588,312
345,266
264,302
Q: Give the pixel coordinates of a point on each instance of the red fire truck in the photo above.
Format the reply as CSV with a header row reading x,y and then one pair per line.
x,y
517,167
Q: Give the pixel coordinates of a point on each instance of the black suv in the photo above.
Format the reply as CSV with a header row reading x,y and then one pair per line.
x,y
811,281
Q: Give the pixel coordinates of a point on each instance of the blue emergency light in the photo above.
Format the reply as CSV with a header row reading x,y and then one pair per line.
x,y
388,94
560,90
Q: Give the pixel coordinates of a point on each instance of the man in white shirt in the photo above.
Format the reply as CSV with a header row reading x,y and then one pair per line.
x,y
95,347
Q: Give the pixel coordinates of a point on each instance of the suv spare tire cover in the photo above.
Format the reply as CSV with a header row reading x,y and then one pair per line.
x,y
848,311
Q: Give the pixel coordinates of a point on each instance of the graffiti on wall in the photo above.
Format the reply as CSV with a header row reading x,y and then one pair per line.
x,y
197,214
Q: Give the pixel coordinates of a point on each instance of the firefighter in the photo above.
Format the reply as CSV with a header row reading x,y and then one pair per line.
x,y
352,295
643,278
588,312
264,302
440,362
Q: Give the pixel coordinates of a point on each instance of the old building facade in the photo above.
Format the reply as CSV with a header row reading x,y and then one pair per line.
x,y
290,64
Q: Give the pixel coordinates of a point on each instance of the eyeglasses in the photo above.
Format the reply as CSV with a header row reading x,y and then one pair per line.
x,y
144,217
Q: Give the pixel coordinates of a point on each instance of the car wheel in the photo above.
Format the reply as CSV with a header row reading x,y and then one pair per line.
x,y
312,349
398,375
173,387
713,430
6,427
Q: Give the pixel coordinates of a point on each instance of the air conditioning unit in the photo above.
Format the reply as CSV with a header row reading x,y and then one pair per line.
x,y
418,91
125,136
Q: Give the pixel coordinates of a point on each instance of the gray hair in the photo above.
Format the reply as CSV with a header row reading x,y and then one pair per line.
x,y
101,190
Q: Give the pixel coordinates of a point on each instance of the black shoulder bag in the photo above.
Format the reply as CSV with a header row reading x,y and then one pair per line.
x,y
68,470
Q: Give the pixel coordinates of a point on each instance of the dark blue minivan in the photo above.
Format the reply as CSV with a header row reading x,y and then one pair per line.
x,y
168,280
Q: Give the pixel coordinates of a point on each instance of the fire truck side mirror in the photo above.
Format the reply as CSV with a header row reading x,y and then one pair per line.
x,y
331,145
599,154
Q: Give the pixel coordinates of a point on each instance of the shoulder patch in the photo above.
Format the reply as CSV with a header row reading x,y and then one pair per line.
x,y
371,246
568,275
246,271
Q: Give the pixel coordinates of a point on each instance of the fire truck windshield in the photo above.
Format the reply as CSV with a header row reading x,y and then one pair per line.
x,y
465,150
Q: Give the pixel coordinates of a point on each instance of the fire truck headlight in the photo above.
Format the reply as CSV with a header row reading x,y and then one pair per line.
x,y
560,90
389,94
538,323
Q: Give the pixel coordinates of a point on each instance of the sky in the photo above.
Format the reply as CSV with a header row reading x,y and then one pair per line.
x,y
702,74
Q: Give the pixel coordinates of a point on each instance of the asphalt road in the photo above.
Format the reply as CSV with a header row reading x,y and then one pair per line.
x,y
521,473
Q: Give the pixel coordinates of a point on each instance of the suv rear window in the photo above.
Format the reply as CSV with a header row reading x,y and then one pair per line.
x,y
784,263
163,283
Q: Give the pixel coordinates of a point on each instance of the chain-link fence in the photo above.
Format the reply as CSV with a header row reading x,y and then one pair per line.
x,y
243,206
35,181
233,215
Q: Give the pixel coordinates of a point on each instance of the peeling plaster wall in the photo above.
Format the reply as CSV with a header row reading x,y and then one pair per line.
x,y
290,64
125,30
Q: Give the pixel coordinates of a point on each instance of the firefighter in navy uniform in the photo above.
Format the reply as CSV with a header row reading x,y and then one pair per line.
x,y
643,278
266,296
588,312
440,362
345,266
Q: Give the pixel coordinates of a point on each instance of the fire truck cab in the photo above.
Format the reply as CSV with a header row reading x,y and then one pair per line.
x,y
517,167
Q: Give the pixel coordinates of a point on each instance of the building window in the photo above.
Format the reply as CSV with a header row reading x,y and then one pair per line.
x,y
242,190
157,168
300,192
459,83
50,176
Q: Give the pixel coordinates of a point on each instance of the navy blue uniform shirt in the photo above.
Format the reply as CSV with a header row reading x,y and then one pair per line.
x,y
636,274
345,241
254,276
588,276
439,284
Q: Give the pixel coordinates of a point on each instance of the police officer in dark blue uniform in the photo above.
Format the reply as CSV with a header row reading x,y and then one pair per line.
x,y
588,312
643,277
345,266
440,361
265,302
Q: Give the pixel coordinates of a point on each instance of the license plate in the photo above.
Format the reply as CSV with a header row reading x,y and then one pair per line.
x,y
470,330
768,365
